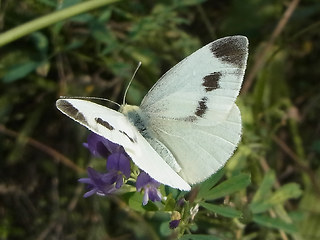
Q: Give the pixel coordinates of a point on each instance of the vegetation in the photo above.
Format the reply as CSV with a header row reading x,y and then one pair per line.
x,y
270,188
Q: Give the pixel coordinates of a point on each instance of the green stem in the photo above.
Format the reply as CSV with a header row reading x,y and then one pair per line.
x,y
50,19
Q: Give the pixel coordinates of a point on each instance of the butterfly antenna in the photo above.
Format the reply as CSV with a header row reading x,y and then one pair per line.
x,y
92,98
134,74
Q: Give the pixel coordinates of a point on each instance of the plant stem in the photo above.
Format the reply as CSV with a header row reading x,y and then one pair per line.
x,y
45,21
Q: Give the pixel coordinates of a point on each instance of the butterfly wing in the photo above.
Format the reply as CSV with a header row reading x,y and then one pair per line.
x,y
192,110
115,127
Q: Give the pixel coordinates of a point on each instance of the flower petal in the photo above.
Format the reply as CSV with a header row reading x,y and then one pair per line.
x,y
101,184
145,197
119,162
100,146
119,182
85,180
174,223
142,180
150,187
89,193
96,146
154,194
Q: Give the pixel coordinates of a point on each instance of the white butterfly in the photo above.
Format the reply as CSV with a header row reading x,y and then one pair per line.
x,y
187,125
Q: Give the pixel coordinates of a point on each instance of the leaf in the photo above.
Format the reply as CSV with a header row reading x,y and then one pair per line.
x,y
19,71
274,223
105,16
164,229
316,146
68,3
76,43
209,183
199,237
225,211
265,187
40,41
188,2
290,190
135,202
48,3
82,18
228,187
169,204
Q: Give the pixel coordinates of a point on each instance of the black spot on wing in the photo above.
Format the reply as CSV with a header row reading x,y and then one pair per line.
x,y
104,123
130,138
232,50
71,111
202,107
211,81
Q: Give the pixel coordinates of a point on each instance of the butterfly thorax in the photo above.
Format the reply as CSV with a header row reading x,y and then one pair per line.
x,y
136,118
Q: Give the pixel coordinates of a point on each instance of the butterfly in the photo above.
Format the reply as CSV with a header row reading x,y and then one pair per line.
x,y
188,125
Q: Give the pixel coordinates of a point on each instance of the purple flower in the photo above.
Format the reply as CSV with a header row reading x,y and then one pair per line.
x,y
97,183
174,223
118,166
150,187
101,147
175,220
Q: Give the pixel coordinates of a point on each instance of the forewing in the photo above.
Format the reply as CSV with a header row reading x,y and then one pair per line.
x,y
115,127
205,83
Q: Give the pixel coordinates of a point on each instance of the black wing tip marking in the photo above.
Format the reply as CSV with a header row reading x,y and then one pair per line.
x,y
104,123
232,50
211,81
70,110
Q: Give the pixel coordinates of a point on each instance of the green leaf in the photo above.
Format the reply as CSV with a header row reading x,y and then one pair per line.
x,y
225,211
164,229
209,183
101,34
274,223
265,187
172,192
40,41
68,3
291,190
135,202
228,187
199,237
188,2
76,43
169,204
105,16
19,71
82,18
48,3
316,146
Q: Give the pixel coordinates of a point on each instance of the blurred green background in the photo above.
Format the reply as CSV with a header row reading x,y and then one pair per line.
x,y
96,53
